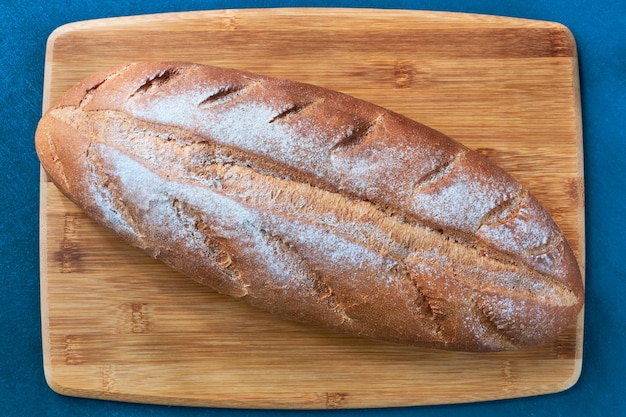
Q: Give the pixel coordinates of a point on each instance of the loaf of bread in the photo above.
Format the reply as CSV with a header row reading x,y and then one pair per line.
x,y
313,205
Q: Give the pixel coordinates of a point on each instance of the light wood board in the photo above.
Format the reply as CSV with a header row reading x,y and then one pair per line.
x,y
118,325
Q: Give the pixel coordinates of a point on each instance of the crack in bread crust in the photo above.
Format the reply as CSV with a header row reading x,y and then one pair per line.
x,y
155,81
294,110
227,94
358,134
506,210
437,175
215,252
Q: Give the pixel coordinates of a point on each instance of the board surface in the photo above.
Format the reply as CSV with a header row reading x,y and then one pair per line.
x,y
119,325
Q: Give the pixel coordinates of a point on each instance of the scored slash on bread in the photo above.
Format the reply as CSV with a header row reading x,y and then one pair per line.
x,y
313,205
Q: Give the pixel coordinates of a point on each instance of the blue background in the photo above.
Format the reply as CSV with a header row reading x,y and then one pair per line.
x,y
600,31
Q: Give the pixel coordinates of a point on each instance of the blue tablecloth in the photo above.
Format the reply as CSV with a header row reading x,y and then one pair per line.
x,y
600,30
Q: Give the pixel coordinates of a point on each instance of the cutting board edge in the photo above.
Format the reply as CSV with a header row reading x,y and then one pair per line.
x,y
108,22
304,400
43,279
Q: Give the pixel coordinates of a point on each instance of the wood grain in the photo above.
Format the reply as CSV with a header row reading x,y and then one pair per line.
x,y
118,325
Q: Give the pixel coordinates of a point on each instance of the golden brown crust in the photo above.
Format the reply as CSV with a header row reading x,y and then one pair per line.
x,y
313,205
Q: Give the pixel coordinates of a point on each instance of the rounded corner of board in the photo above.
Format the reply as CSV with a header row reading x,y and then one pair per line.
x,y
563,41
53,383
573,379
59,32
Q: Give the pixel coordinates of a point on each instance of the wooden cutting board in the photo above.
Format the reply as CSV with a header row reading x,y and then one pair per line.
x,y
118,325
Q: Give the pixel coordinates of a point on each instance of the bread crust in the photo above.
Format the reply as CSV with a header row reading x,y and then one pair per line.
x,y
313,205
